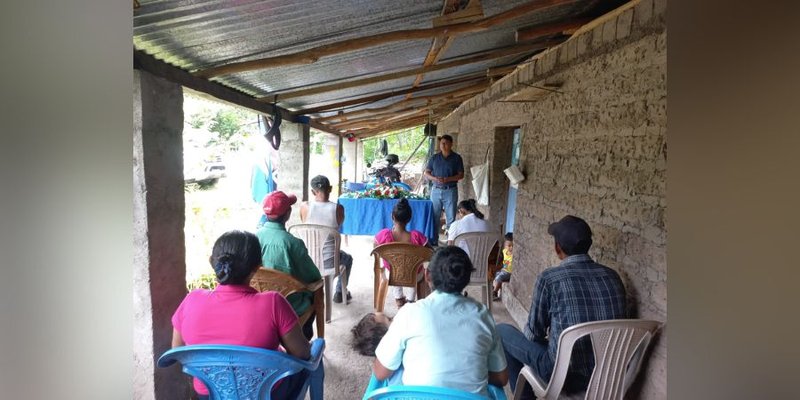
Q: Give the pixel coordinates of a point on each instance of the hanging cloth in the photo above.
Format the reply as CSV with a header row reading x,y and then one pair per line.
x,y
480,180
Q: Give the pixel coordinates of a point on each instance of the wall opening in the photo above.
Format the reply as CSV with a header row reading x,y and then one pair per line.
x,y
502,158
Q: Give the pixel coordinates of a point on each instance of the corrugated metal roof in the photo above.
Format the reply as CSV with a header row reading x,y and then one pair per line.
x,y
197,35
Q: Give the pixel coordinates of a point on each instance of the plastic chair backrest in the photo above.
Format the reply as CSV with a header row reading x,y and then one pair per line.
x,y
619,346
405,259
285,284
240,372
480,244
380,390
314,236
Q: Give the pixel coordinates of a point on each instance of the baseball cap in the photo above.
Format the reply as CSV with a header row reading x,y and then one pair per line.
x,y
572,234
277,204
320,182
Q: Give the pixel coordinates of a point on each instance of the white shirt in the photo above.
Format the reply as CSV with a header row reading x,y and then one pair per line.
x,y
468,223
444,340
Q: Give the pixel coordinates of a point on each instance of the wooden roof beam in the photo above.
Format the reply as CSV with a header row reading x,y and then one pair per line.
x,y
450,15
405,103
382,96
312,55
378,122
490,55
538,31
477,87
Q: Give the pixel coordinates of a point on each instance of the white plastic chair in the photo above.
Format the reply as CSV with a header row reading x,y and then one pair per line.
x,y
314,236
480,244
619,346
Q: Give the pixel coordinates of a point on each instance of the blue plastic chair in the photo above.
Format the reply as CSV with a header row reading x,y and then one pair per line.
x,y
380,390
240,372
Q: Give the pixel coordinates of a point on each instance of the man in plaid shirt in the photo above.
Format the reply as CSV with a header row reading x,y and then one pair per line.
x,y
575,291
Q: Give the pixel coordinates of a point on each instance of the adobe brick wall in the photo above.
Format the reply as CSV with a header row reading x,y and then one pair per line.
x,y
596,150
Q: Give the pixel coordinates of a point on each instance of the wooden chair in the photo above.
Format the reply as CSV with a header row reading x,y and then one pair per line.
x,y
405,260
285,284
618,345
314,236
495,262
480,244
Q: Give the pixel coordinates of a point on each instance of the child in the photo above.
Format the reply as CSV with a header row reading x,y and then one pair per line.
x,y
504,275
369,332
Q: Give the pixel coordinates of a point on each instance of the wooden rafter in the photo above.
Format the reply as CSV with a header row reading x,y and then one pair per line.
x,y
385,95
497,53
384,117
469,90
475,87
380,122
538,31
387,115
450,15
312,55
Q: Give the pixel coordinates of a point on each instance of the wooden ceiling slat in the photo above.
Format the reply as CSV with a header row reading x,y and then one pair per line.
x,y
312,55
450,15
497,53
469,90
538,31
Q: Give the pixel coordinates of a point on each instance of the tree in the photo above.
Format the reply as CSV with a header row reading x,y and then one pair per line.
x,y
401,143
228,125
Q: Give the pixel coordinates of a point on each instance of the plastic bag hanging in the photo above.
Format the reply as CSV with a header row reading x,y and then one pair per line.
x,y
480,181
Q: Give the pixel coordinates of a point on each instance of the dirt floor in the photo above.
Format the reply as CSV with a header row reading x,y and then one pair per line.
x,y
347,372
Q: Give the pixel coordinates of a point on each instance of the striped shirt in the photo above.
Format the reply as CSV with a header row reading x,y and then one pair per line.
x,y
577,290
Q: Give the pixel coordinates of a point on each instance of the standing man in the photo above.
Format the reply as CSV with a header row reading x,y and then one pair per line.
x,y
444,170
577,290
286,253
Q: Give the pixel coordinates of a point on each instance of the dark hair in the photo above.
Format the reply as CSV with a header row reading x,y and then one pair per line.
x,y
236,254
402,211
450,269
509,236
469,205
367,334
447,137
320,182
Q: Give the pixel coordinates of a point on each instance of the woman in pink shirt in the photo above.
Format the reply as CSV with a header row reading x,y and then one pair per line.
x,y
236,314
401,215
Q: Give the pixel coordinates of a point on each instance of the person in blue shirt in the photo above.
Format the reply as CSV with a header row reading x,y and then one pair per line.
x,y
444,170
446,339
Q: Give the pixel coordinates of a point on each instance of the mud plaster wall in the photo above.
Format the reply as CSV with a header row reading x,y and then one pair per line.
x,y
159,263
596,150
294,155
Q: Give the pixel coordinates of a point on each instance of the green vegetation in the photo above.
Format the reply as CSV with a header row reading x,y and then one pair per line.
x,y
401,142
205,281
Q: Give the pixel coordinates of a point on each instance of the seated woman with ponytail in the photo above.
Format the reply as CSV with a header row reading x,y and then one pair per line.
x,y
446,339
470,220
236,314
401,216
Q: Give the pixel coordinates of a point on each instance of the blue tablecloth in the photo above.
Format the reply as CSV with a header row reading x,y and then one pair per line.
x,y
368,216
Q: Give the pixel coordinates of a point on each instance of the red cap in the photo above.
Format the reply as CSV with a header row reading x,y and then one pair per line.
x,y
277,203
